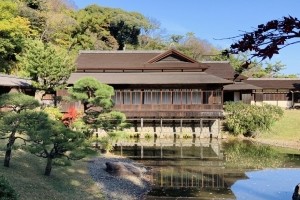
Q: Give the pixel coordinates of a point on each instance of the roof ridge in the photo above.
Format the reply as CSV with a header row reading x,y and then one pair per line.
x,y
121,51
273,79
225,61
13,76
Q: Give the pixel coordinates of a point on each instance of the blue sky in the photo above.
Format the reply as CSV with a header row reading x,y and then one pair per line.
x,y
211,19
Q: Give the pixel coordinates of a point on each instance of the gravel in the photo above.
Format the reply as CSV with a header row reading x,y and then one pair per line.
x,y
119,187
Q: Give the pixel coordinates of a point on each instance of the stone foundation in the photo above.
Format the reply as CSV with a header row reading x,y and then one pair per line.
x,y
204,128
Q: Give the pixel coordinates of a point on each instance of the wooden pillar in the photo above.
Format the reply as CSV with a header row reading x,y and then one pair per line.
x,y
292,99
161,151
201,128
181,134
161,128
181,153
142,125
142,151
121,149
219,128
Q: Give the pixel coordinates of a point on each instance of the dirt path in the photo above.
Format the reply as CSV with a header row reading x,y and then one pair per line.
x,y
279,143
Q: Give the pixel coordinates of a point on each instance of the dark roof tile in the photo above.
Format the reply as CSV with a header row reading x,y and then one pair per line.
x,y
10,81
275,83
152,78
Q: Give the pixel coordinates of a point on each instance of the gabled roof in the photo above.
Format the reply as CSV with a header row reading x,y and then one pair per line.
x,y
141,60
153,78
14,81
174,55
275,83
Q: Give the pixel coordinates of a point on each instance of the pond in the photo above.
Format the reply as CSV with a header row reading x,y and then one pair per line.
x,y
211,169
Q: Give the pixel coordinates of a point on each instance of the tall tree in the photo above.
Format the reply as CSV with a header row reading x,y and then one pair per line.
x,y
13,30
52,140
48,67
267,39
107,28
96,98
92,93
14,121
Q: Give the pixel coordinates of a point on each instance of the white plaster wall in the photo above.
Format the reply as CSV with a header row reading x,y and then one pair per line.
x,y
282,104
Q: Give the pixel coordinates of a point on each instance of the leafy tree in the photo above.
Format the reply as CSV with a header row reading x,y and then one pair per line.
x,y
147,42
13,30
107,28
257,69
112,121
197,48
59,24
127,26
267,39
53,113
48,67
92,31
97,103
13,123
92,94
247,119
52,140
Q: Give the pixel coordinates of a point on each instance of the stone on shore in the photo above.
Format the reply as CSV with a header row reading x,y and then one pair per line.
x,y
124,169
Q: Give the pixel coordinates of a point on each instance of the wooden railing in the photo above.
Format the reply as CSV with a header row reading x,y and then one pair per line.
x,y
168,107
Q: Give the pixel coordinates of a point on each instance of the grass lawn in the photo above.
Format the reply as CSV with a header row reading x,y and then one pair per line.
x,y
287,128
25,174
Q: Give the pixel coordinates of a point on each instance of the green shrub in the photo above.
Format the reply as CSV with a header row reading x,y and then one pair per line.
x,y
6,191
247,119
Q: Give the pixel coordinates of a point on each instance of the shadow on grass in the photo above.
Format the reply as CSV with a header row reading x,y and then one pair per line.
x,y
26,175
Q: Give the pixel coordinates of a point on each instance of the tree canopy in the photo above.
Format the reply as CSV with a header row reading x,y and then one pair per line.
x,y
267,39
47,66
15,121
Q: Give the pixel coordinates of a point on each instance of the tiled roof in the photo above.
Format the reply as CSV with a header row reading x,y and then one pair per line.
x,y
171,59
152,78
275,83
10,81
220,69
241,86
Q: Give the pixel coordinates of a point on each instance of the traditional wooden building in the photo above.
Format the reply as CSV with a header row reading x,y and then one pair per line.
x,y
9,83
161,92
238,90
283,92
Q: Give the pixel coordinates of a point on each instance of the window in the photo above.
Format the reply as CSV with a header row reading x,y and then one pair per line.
x,y
176,97
136,97
126,97
166,97
196,96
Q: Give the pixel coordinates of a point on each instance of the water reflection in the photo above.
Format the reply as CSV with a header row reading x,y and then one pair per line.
x,y
268,184
204,169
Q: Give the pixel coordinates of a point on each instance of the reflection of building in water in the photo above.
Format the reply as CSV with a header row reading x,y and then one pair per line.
x,y
192,168
188,177
183,148
192,178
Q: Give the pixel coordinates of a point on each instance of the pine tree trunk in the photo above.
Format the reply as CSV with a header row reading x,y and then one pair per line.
x,y
8,151
48,167
7,156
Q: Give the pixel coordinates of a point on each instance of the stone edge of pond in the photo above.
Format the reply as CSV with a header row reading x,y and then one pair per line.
x,y
115,187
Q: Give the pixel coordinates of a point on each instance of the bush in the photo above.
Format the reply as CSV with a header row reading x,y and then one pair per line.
x,y
246,119
6,191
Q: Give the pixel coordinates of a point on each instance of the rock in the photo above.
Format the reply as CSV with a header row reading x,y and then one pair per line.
x,y
123,169
296,194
